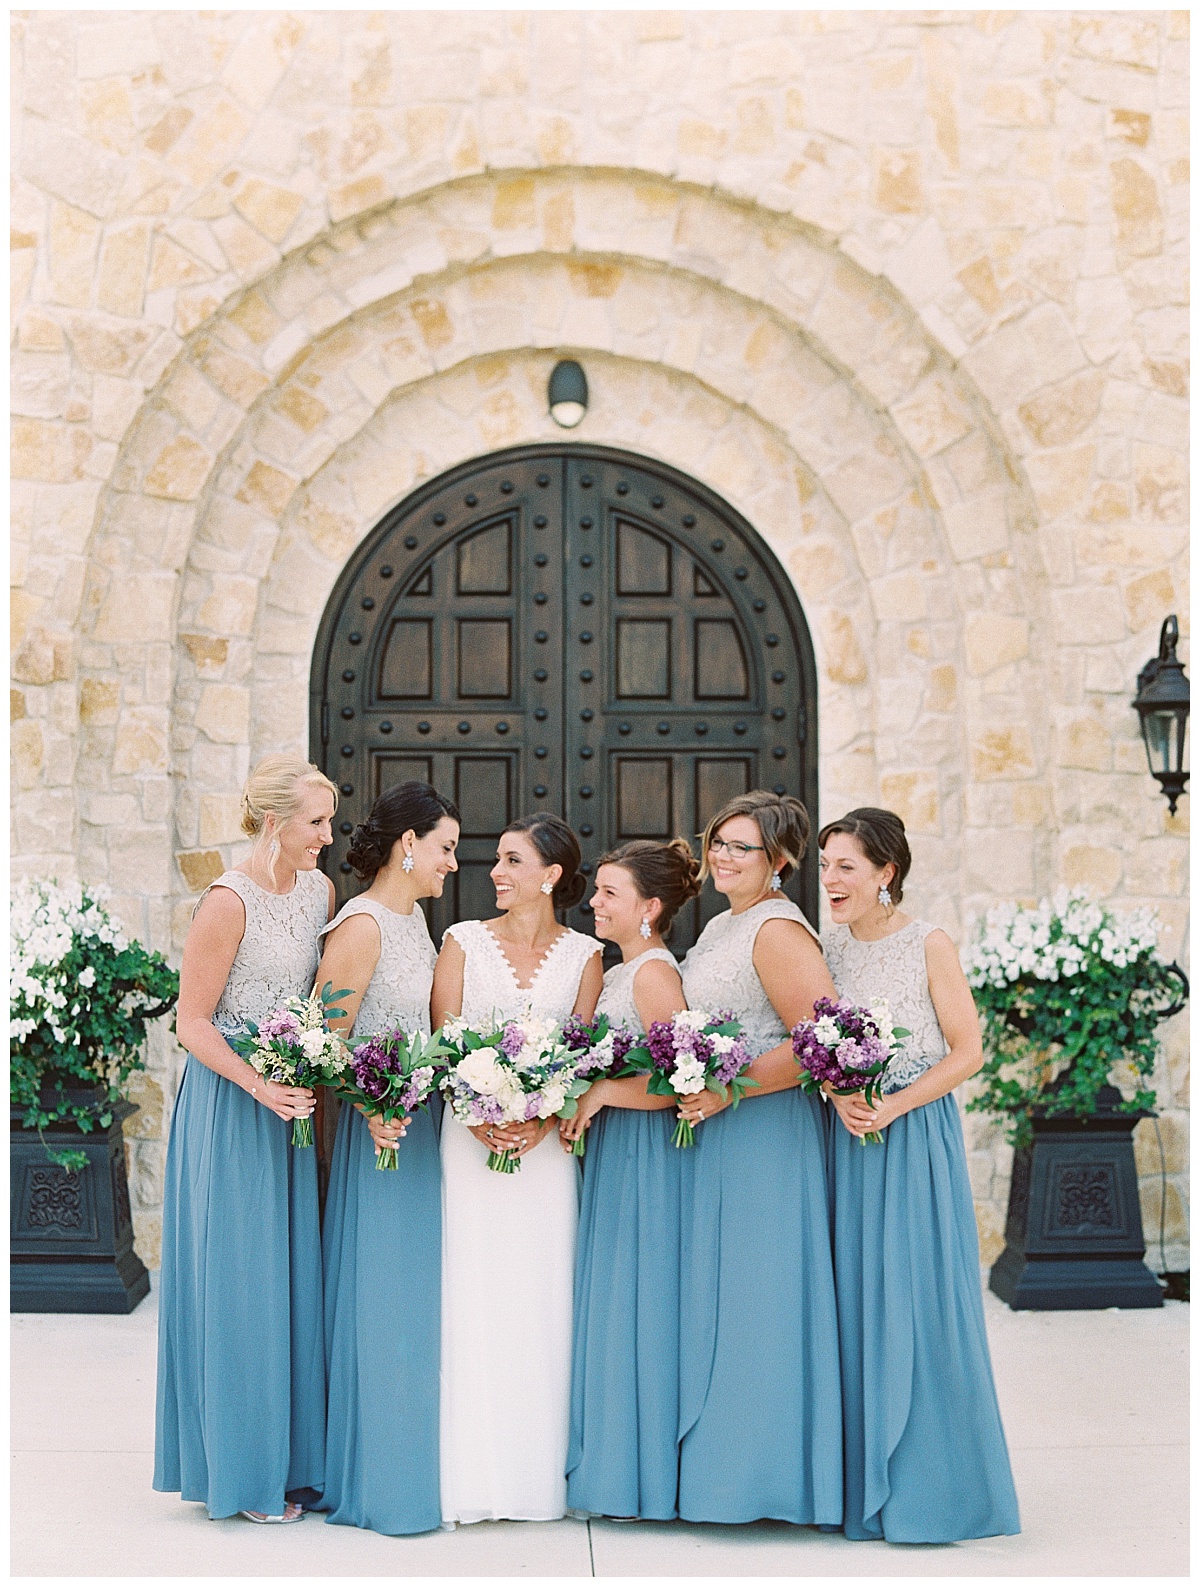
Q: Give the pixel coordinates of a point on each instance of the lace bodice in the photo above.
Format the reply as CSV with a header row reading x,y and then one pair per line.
x,y
893,969
397,996
490,987
280,947
719,972
616,1000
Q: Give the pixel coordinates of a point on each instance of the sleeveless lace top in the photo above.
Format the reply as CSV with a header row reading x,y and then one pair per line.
x,y
616,1000
719,972
490,987
280,948
893,969
397,996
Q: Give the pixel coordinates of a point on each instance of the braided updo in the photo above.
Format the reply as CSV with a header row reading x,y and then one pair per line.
x,y
408,807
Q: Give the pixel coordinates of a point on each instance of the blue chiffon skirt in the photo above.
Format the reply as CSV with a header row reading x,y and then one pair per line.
x,y
760,1391
383,1307
926,1460
623,1456
240,1416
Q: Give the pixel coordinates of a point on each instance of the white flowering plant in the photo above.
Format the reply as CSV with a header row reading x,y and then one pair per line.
x,y
1068,990
81,994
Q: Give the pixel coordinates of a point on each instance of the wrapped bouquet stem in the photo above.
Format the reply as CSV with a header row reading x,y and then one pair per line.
x,y
293,1046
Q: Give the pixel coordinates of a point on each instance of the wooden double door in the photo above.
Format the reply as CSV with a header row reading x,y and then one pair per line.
x,y
566,628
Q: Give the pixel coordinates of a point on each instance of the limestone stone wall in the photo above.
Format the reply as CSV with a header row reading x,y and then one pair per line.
x,y
908,289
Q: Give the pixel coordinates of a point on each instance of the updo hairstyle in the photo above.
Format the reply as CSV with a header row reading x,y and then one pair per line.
x,y
669,872
273,788
880,835
556,844
406,807
781,819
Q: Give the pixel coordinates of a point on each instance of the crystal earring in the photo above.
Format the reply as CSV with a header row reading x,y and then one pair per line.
x,y
407,863
547,887
776,884
644,929
885,897
273,851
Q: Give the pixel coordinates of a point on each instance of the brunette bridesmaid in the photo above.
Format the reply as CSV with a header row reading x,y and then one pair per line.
x,y
240,1420
926,1460
760,1414
623,1458
383,1230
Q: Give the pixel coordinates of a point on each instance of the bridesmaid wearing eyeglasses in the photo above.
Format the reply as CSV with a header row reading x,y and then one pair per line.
x,y
760,1408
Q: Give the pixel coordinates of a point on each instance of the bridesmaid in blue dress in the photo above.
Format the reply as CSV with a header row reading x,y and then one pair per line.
x,y
240,1420
926,1460
760,1415
623,1457
383,1231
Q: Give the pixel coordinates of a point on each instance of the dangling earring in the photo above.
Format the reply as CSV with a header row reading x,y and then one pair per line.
x,y
547,887
407,863
644,929
885,897
776,884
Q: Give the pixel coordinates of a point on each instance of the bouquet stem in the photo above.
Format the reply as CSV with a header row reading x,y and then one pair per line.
x,y
579,1146
302,1134
503,1162
871,1135
684,1135
386,1159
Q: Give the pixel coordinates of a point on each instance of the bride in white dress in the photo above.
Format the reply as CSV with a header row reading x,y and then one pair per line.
x,y
508,1240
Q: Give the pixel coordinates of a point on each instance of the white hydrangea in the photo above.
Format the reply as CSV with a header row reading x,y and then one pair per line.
x,y
47,919
1055,939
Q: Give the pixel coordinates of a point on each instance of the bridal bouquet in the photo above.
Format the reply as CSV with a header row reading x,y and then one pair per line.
x,y
849,1047
600,1050
506,1073
693,1052
293,1046
392,1075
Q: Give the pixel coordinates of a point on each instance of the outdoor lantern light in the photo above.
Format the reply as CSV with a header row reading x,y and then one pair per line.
x,y
568,394
1163,701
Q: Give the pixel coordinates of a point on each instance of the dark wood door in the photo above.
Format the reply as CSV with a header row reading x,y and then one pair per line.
x,y
568,628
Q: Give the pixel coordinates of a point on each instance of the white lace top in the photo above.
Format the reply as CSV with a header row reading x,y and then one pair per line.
x,y
719,972
490,986
616,1000
397,995
893,969
280,948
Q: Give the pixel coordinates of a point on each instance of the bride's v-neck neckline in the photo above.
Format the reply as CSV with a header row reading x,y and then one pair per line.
x,y
508,964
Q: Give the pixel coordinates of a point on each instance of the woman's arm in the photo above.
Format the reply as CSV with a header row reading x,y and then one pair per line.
x,y
591,984
349,961
955,1009
447,997
208,954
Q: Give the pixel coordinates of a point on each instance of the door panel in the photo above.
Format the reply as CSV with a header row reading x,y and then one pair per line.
x,y
564,628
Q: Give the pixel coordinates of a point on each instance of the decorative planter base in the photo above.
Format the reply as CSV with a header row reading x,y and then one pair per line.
x,y
72,1234
1074,1232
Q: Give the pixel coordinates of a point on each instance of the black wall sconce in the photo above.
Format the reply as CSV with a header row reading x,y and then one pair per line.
x,y
568,393
1162,704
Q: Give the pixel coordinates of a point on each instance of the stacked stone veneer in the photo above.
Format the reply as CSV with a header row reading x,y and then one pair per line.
x,y
908,289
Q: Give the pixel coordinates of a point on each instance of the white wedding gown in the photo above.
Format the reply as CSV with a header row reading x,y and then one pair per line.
x,y
508,1262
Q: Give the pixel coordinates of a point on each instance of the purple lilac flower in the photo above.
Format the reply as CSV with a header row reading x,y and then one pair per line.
x,y
281,1022
513,1041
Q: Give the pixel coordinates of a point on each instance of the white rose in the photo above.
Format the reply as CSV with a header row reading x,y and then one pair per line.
x,y
481,1072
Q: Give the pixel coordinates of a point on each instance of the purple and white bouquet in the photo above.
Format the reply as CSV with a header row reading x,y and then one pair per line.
x,y
392,1075
509,1072
293,1046
693,1052
848,1047
600,1050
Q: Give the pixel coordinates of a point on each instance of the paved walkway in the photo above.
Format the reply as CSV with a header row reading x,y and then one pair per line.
x,y
1095,1404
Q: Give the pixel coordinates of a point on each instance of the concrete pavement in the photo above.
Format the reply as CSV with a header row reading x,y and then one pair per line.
x,y
1094,1403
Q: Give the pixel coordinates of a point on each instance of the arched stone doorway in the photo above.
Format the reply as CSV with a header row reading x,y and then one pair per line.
x,y
572,628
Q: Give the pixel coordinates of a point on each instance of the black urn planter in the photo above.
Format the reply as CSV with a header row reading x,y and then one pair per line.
x,y
1074,1231
72,1233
